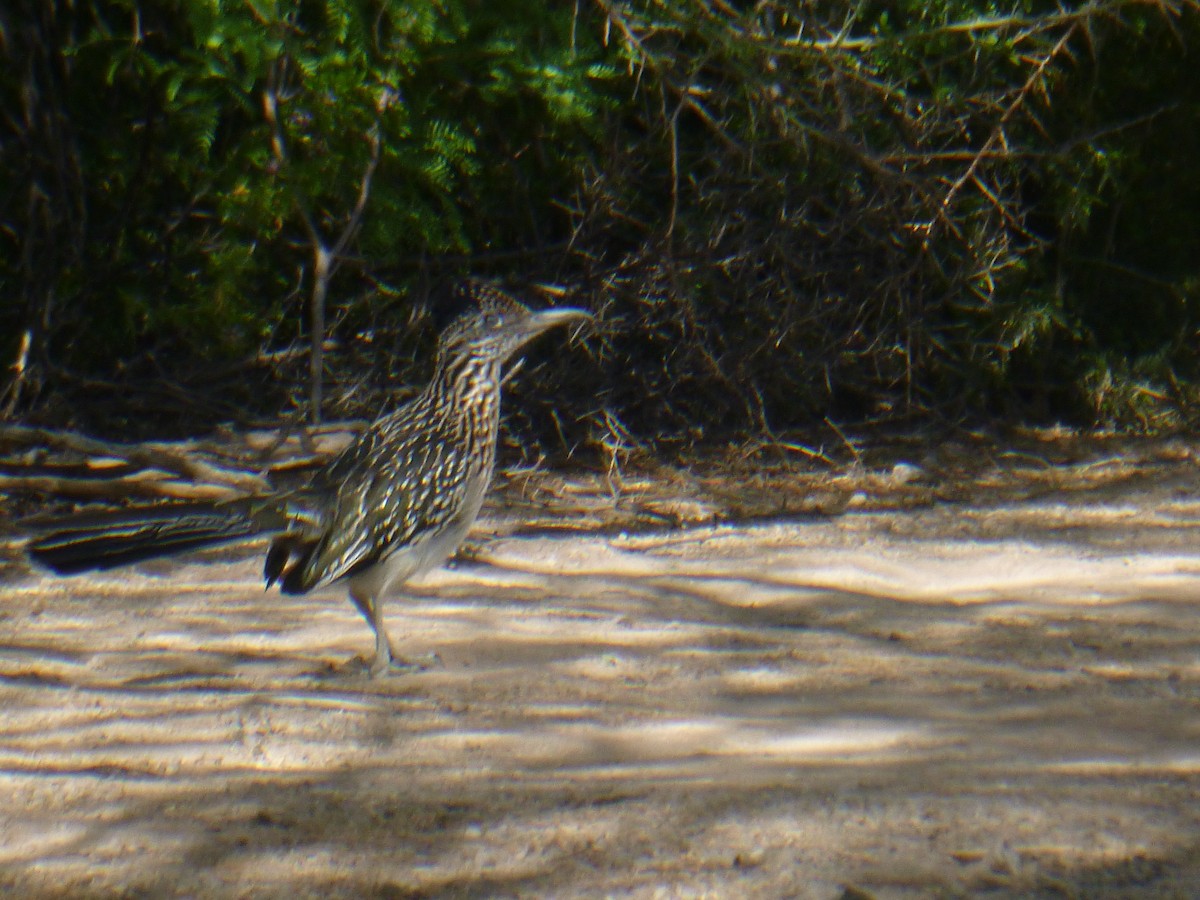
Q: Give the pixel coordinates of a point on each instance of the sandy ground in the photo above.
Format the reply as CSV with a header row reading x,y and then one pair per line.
x,y
956,700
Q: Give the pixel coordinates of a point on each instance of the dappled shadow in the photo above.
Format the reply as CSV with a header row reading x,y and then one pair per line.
x,y
741,712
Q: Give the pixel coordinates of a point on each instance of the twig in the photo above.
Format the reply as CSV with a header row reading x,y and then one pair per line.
x,y
20,367
845,440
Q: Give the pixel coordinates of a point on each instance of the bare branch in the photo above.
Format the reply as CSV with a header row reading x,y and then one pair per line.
x,y
325,258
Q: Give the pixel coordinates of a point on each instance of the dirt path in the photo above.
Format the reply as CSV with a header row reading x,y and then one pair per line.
x,y
944,702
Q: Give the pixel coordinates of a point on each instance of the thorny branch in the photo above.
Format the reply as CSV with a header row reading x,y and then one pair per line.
x,y
858,184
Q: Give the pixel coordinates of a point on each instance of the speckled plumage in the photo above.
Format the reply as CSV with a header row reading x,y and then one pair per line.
x,y
397,502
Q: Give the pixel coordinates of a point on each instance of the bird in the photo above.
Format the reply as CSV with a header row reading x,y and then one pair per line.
x,y
396,503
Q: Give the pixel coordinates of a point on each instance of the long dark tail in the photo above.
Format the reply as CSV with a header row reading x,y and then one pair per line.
x,y
106,540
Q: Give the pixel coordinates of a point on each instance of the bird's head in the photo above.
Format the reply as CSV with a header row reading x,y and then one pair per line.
x,y
496,326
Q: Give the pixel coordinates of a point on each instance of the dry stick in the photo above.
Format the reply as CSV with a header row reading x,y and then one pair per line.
x,y
20,368
845,440
674,134
967,27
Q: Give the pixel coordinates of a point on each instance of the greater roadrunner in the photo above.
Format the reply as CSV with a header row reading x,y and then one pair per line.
x,y
394,504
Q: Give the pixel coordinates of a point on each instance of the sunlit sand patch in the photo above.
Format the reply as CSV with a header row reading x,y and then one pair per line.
x,y
956,700
586,744
41,838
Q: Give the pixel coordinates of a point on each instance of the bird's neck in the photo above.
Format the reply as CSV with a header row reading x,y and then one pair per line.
x,y
468,380
471,387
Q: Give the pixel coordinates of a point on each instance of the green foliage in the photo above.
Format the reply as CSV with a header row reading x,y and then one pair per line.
x,y
784,211
923,208
1120,206
138,135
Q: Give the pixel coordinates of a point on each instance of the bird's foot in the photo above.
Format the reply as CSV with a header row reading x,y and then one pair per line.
x,y
360,666
398,665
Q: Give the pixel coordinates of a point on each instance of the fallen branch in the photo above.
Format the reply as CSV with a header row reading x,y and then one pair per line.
x,y
176,459
71,466
142,485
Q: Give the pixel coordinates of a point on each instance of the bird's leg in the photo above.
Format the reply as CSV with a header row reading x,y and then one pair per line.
x,y
385,659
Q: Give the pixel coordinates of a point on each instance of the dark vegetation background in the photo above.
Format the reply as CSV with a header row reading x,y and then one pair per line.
x,y
787,215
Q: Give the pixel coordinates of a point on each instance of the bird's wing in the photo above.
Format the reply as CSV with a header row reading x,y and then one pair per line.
x,y
379,507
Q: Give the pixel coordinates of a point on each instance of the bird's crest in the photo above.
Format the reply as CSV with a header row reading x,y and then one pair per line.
x,y
489,299
470,299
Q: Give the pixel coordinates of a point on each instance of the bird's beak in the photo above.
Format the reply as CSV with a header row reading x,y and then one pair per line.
x,y
549,318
